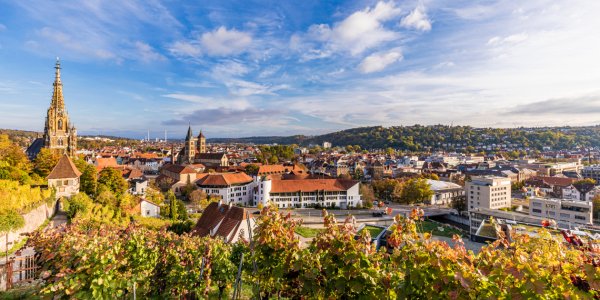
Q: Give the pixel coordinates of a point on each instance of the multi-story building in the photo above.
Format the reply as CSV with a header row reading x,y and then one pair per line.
x,y
326,145
592,172
307,193
562,210
233,188
580,192
444,192
488,192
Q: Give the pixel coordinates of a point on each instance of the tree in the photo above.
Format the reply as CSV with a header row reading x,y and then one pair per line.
x,y
45,162
189,189
417,190
10,221
273,160
430,176
587,180
107,198
154,195
113,179
87,180
366,192
250,168
345,176
596,205
459,203
358,173
196,197
259,206
389,150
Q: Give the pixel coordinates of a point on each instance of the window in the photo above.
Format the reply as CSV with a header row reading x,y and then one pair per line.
x,y
537,211
552,213
563,215
536,204
579,217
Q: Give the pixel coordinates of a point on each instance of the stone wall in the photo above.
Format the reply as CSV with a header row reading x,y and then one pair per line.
x,y
33,220
3,278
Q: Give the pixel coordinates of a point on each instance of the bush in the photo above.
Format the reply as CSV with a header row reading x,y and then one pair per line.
x,y
369,204
358,206
259,206
181,227
65,204
195,216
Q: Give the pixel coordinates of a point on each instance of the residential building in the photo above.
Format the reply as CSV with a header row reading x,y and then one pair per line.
x,y
224,221
580,192
488,192
563,210
65,177
342,193
592,172
148,208
326,145
236,188
176,177
444,191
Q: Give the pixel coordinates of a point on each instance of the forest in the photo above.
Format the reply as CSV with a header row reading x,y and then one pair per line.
x,y
418,138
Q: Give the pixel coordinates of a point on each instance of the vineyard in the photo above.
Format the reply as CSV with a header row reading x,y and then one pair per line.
x,y
88,260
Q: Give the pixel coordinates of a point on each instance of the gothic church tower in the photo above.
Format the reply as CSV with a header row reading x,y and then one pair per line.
x,y
201,145
59,134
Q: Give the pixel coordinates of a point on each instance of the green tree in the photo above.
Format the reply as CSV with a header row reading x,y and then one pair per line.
x,y
87,180
459,203
250,168
113,179
273,160
106,198
596,206
45,162
417,191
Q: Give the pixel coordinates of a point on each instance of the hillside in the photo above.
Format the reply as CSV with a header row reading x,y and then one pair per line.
x,y
419,137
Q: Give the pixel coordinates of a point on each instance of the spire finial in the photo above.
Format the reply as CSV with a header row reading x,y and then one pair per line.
x,y
57,70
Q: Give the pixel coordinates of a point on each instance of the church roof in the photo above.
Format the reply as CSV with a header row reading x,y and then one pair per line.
x,y
189,136
65,168
35,148
201,135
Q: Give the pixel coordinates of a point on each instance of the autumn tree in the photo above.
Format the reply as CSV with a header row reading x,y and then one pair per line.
x,y
87,180
596,205
113,179
196,197
587,180
366,192
459,203
45,162
417,191
250,168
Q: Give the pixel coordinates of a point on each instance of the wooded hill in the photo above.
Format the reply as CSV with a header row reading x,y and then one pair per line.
x,y
421,137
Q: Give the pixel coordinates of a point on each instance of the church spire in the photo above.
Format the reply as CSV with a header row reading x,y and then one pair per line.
x,y
57,95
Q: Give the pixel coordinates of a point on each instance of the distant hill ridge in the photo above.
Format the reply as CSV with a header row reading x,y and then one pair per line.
x,y
455,137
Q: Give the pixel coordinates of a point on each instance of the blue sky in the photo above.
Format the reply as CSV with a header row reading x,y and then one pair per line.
x,y
247,68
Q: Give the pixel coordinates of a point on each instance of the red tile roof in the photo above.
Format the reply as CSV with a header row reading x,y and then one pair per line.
x,y
65,168
227,218
178,169
107,162
224,179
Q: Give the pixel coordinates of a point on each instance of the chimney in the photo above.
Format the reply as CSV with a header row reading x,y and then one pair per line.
x,y
230,204
220,201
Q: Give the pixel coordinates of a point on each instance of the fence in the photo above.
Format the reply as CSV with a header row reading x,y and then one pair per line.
x,y
20,270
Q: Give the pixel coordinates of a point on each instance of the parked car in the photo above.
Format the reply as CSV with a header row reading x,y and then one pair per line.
x,y
378,213
256,212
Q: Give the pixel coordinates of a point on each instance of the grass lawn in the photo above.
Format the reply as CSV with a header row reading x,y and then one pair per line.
x,y
308,232
433,229
374,231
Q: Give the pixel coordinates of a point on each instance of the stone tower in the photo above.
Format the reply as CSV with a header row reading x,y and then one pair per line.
x,y
201,145
190,148
59,133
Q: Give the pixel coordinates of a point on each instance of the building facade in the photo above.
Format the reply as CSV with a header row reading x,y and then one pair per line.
x,y
562,210
64,177
488,192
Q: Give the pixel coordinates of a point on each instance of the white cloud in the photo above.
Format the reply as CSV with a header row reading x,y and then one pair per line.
x,y
30,44
2,27
59,38
417,19
203,84
185,49
377,62
147,53
270,70
360,31
444,64
223,42
244,88
515,38
336,72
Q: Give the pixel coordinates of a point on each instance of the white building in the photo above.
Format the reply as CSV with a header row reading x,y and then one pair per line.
x,y
307,193
230,187
444,191
326,145
561,210
149,209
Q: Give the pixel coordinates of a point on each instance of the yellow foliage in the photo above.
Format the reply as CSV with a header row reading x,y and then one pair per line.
x,y
14,196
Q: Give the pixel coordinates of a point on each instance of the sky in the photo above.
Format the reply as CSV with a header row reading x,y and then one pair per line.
x,y
262,68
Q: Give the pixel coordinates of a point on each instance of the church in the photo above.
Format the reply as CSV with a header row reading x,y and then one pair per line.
x,y
194,152
59,134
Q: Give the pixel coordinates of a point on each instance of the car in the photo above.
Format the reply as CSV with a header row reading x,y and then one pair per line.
x,y
256,212
378,214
